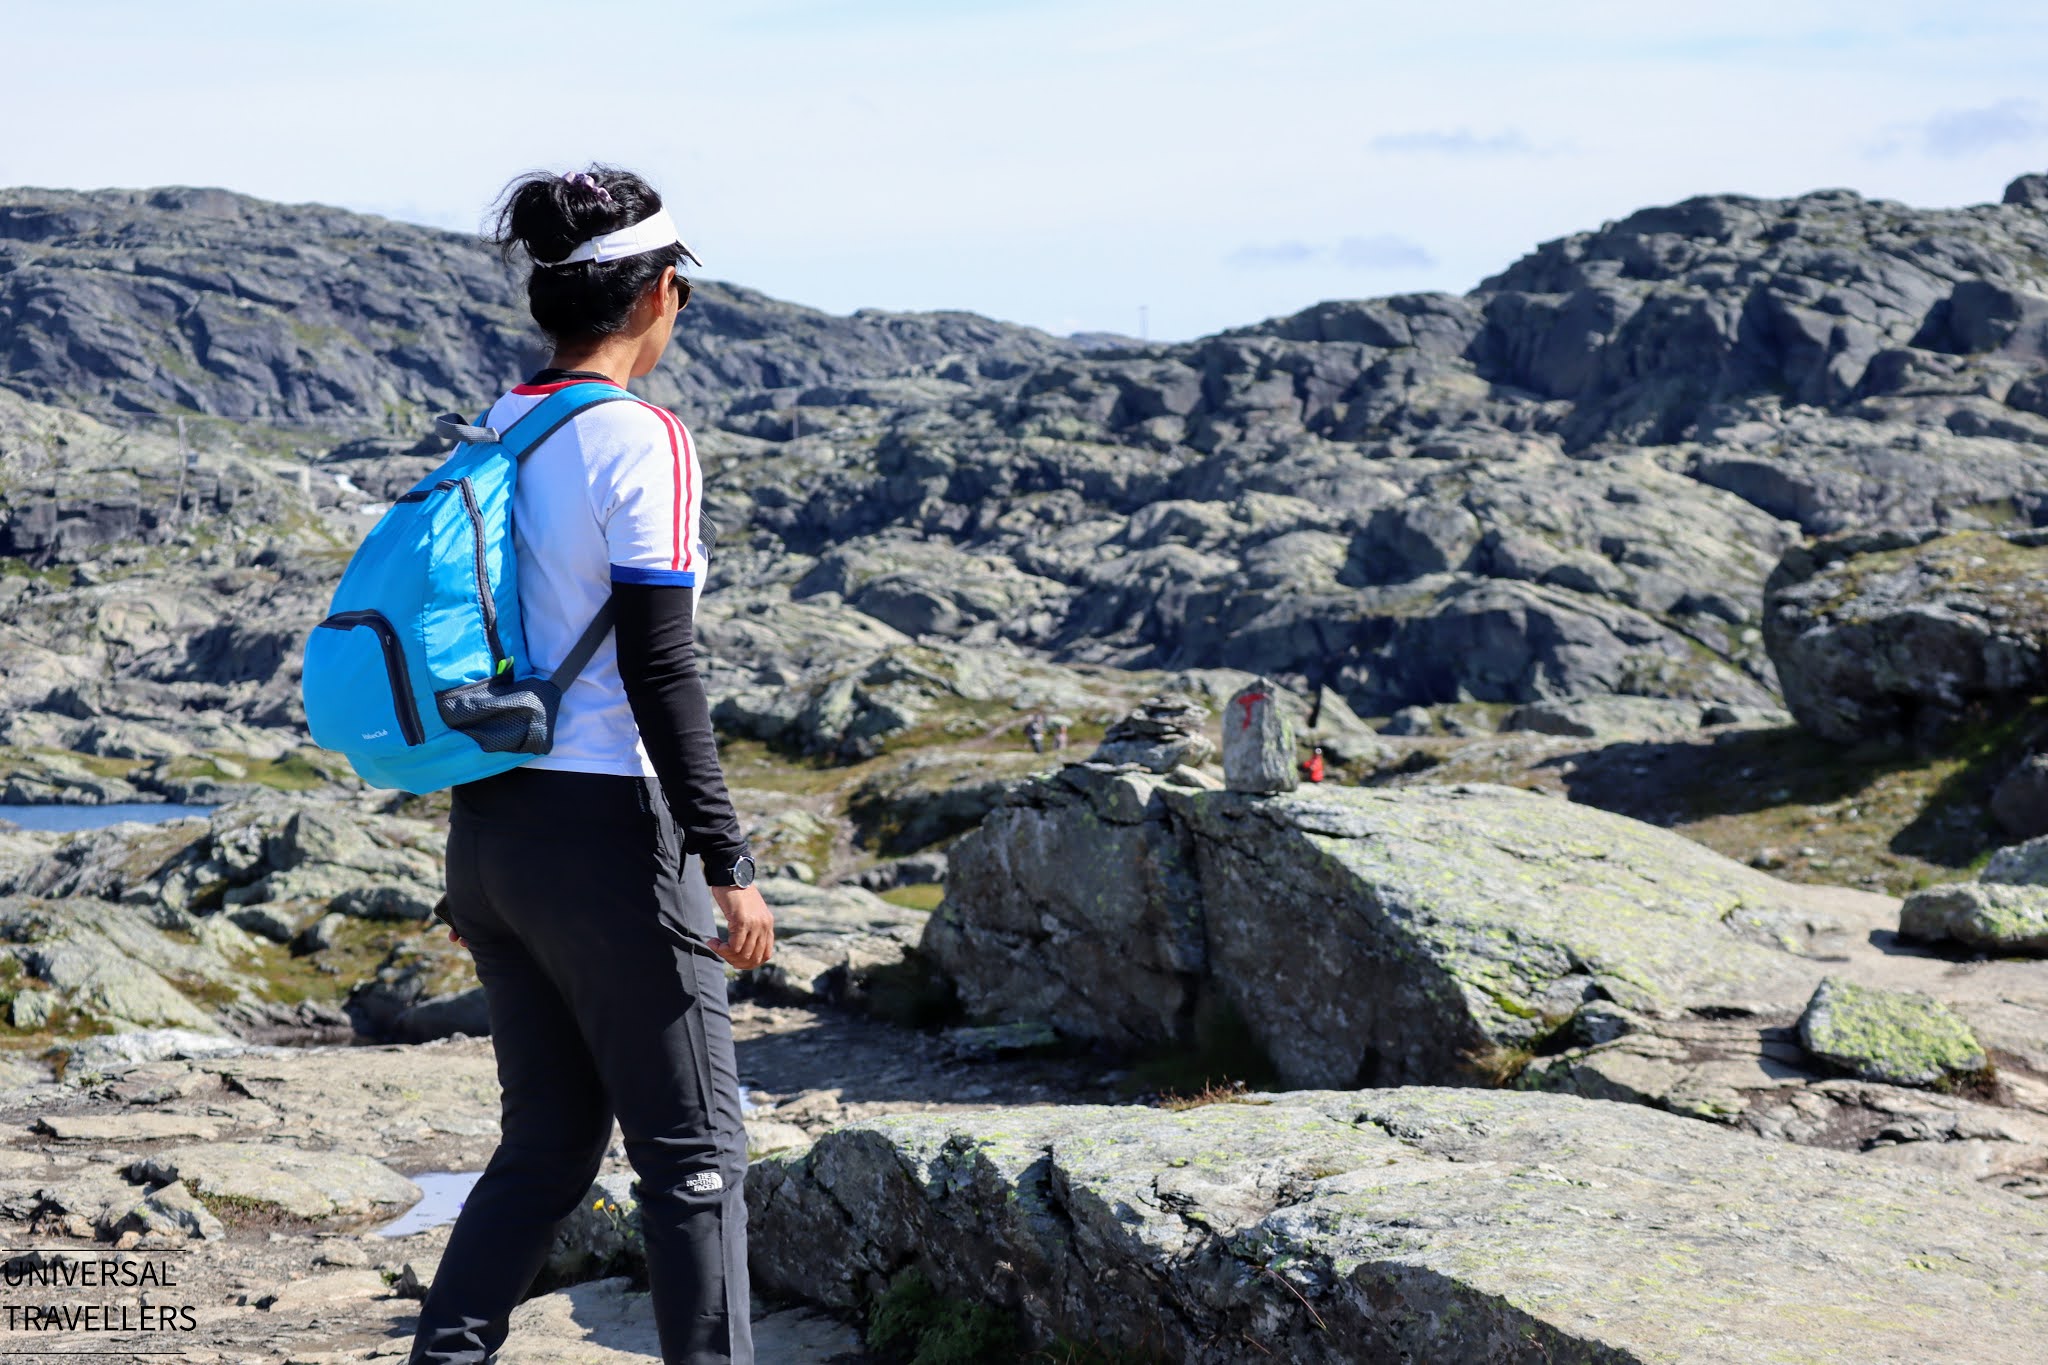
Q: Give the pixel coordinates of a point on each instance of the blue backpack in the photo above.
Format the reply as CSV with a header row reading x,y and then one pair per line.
x,y
419,676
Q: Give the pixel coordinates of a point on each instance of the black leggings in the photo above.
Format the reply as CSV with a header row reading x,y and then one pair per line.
x,y
568,888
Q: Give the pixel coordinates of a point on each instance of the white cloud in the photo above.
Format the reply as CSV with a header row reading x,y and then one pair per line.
x,y
1965,132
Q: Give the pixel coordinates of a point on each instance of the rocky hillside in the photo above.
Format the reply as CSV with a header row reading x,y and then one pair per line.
x,y
1572,481
327,322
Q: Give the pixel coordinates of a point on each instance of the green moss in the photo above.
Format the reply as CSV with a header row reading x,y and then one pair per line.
x,y
911,1323
920,896
300,770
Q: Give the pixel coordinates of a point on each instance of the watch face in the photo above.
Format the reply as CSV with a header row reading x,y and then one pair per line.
x,y
743,871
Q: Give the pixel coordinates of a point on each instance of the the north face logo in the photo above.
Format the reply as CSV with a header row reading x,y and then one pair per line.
x,y
705,1182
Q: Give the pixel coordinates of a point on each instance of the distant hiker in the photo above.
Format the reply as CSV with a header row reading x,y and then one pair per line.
x,y
1313,768
567,875
1034,732
1060,738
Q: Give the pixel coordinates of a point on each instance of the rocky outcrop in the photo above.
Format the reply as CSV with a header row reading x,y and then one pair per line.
x,y
1422,1225
1570,483
111,966
1363,935
293,857
1896,634
304,316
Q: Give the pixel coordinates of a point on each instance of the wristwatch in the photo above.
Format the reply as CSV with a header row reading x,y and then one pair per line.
x,y
738,873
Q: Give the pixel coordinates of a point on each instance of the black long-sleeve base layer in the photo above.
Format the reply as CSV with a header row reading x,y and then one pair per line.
x,y
566,886
658,660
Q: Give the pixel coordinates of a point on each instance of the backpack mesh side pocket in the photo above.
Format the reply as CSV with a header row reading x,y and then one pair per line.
x,y
503,715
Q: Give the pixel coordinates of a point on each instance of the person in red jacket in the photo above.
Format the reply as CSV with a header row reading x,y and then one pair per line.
x,y
1314,767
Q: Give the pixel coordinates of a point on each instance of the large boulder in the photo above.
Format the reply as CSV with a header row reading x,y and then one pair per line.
x,y
1422,1225
1895,634
1365,936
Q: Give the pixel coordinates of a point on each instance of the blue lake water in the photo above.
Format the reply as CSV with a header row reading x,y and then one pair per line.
x,y
442,1193
64,819
441,1196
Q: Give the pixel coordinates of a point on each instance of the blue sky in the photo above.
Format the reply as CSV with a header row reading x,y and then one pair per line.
x,y
1057,162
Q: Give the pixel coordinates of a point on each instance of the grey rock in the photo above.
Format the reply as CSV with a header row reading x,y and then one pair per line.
x,y
1891,1037
111,964
931,797
2020,800
2021,864
1610,718
1411,720
172,1209
1895,633
108,1052
918,869
1427,1225
831,942
1989,917
425,988
342,1188
2031,190
1164,733
265,921
601,1237
319,934
1258,742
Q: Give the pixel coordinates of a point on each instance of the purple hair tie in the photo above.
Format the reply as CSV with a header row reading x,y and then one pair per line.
x,y
588,182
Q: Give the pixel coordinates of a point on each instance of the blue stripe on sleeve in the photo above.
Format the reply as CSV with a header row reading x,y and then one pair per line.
x,y
659,578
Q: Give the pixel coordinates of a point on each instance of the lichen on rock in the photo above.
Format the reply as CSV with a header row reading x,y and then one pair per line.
x,y
1891,1037
1991,917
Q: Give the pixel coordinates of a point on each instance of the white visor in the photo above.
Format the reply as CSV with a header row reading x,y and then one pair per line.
x,y
649,234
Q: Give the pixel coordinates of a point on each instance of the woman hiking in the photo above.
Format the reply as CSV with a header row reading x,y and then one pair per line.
x,y
605,981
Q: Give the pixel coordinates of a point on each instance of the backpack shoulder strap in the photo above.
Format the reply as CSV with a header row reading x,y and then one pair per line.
x,y
586,645
554,412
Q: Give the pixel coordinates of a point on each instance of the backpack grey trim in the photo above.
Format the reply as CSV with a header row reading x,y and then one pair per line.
x,y
456,429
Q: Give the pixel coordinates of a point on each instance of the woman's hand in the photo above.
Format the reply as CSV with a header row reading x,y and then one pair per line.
x,y
749,927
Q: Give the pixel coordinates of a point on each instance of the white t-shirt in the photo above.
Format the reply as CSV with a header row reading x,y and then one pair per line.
x,y
611,497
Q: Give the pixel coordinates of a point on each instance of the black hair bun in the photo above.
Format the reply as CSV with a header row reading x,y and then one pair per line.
x,y
547,216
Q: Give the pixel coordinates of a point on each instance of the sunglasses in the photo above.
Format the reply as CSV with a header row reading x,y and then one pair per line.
x,y
682,291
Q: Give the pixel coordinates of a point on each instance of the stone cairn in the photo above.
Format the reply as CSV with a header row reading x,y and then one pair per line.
x,y
1258,742
1163,734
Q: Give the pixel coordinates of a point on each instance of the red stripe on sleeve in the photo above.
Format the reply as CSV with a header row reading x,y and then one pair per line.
x,y
678,443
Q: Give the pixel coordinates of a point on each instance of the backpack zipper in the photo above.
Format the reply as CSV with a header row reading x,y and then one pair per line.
x,y
499,658
402,700
485,602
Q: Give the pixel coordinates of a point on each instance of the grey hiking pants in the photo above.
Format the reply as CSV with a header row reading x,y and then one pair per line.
x,y
568,888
